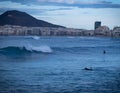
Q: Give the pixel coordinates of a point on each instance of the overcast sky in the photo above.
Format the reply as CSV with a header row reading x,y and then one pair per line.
x,y
69,13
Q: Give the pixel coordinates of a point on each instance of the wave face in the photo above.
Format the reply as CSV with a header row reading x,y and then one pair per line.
x,y
26,49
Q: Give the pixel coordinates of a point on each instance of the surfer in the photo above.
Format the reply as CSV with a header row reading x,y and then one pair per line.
x,y
88,68
104,52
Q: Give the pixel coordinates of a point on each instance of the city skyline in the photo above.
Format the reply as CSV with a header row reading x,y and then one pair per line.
x,y
70,13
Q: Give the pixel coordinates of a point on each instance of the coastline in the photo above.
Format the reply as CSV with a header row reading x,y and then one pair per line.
x,y
12,30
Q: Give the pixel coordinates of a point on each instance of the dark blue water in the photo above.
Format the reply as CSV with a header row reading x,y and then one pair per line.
x,y
56,65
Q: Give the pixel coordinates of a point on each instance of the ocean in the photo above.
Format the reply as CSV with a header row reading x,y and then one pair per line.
x,y
50,64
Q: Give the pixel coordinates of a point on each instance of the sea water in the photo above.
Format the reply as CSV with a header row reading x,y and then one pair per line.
x,y
31,64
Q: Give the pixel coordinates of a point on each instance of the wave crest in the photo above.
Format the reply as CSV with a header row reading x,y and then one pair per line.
x,y
44,49
24,49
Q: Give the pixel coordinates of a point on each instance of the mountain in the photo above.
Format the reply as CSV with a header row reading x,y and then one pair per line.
x,y
15,17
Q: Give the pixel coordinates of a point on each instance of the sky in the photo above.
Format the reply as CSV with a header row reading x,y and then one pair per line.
x,y
79,14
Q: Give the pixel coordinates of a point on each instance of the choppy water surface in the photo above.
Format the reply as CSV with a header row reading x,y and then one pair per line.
x,y
33,64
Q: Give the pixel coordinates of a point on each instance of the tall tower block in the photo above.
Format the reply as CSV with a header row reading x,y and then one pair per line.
x,y
97,24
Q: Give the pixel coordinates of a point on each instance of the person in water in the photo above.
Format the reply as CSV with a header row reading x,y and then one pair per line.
x,y
104,52
88,68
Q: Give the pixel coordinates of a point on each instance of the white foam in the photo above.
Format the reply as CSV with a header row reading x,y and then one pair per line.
x,y
45,49
36,37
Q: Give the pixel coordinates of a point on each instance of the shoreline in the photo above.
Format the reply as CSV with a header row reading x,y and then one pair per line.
x,y
60,36
12,30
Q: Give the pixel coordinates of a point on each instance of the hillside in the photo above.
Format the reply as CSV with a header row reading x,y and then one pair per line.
x,y
15,17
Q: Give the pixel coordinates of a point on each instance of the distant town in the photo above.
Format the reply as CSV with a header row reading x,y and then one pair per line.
x,y
12,30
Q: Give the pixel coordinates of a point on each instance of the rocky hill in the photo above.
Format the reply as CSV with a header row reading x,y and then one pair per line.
x,y
15,17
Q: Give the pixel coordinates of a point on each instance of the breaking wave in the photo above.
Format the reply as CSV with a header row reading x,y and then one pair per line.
x,y
26,49
29,48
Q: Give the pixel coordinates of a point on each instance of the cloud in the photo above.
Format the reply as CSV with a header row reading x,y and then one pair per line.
x,y
76,1
24,2
72,3
105,2
58,1
82,3
31,9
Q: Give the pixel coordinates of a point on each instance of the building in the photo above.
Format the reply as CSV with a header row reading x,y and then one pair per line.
x,y
97,24
102,31
116,32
